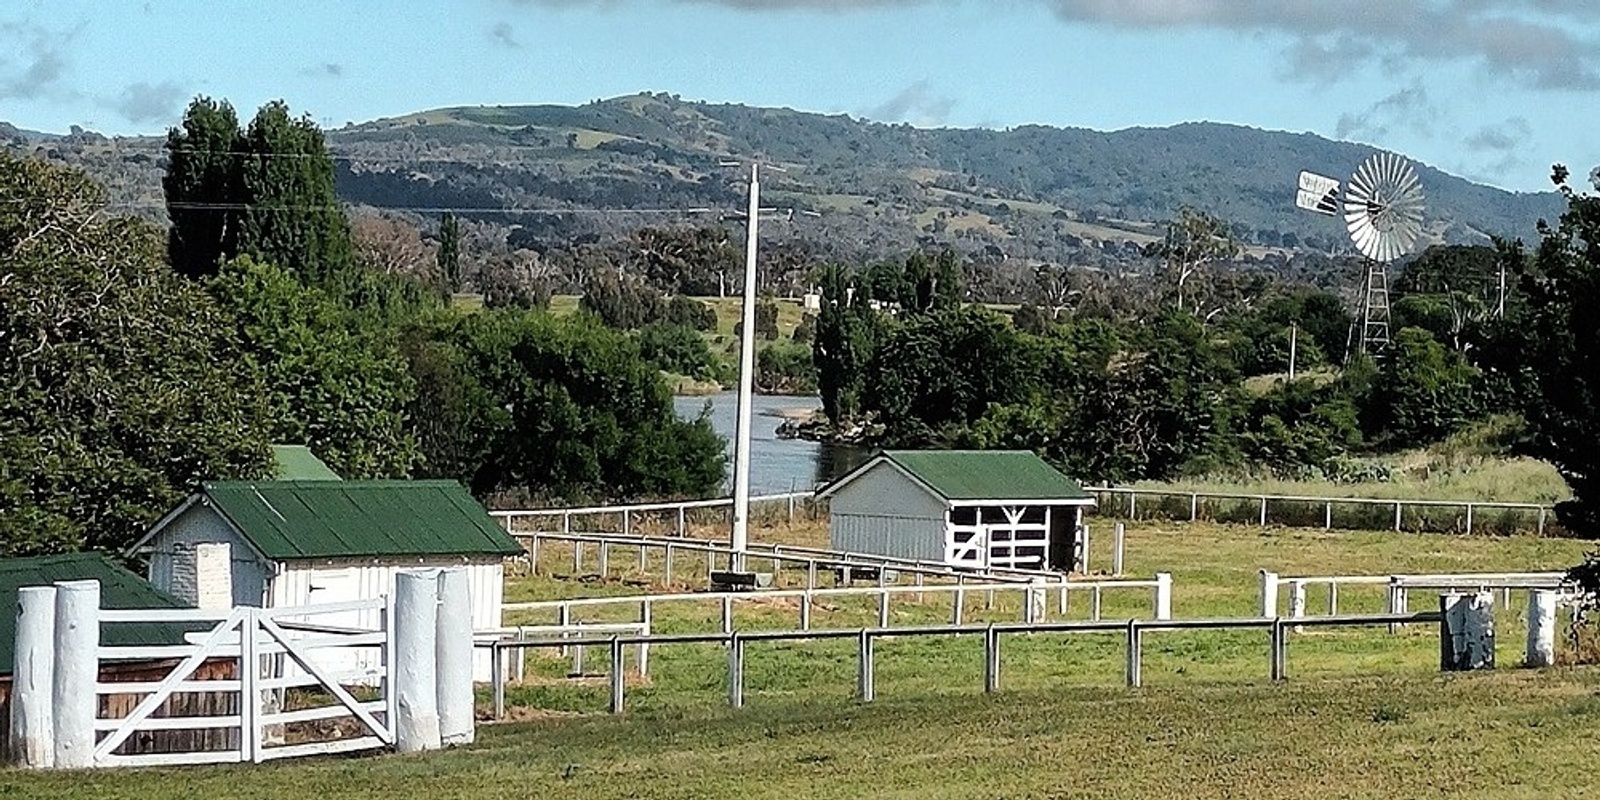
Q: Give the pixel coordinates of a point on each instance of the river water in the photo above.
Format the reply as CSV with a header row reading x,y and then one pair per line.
x,y
776,465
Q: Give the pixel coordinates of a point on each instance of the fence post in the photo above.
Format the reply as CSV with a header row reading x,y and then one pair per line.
x,y
1327,515
566,522
1399,603
811,574
643,560
1194,506
416,601
1297,602
1469,519
1085,560
577,556
864,687
668,578
1062,608
805,611
1333,598
1541,628
453,648
1269,594
1397,517
1163,595
605,558
1132,495
1094,610
991,660
681,527
627,523
791,508
1279,646
883,606
735,671
727,614
1120,533
564,619
497,677
533,555
960,602
33,678
77,667
617,675
1135,679
1263,511
1033,601
644,647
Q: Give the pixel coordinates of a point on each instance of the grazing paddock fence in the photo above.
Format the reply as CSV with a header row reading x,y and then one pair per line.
x,y
670,518
736,643
1344,513
1396,589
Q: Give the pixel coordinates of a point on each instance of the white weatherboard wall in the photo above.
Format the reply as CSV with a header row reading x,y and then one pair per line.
x,y
314,582
172,558
883,511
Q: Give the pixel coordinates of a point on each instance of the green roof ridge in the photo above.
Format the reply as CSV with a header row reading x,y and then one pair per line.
x,y
987,474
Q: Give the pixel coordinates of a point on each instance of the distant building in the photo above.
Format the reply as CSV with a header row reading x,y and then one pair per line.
x,y
964,508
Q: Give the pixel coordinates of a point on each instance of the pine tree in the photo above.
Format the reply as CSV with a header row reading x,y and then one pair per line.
x,y
204,159
450,252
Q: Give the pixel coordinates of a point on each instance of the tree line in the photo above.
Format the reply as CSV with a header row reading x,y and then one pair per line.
x,y
140,362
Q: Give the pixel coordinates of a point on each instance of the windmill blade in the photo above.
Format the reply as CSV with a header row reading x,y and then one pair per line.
x,y
1318,193
1383,207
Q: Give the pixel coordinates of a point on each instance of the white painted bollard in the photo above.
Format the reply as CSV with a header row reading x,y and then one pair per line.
x,y
1297,602
213,575
1466,640
1163,595
1541,628
1120,534
77,666
416,600
453,646
1269,594
33,678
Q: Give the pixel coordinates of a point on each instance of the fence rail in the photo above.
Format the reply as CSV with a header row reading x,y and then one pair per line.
x,y
1465,516
1398,587
735,643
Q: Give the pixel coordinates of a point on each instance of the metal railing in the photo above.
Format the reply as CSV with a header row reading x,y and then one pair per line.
x,y
1256,508
866,690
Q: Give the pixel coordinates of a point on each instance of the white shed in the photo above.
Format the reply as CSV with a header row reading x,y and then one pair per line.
x,y
965,508
296,543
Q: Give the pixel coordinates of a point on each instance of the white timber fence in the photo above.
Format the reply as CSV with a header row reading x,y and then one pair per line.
x,y
735,643
1304,511
1035,605
226,687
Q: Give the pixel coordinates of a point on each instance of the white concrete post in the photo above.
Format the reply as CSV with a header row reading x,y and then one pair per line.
x,y
1036,602
1269,594
32,678
213,575
416,600
77,631
1297,602
1541,628
1163,595
453,646
1467,632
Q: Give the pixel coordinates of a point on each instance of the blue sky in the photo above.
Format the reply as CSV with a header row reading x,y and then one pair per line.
x,y
1494,90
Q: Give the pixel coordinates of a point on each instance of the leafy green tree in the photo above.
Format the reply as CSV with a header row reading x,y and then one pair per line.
x,y
677,349
766,321
1562,284
1423,392
203,188
121,391
563,409
622,303
786,368
691,313
846,336
449,254
330,382
266,191
1192,240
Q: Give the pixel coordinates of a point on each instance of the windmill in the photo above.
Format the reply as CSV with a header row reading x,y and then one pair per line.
x,y
1383,213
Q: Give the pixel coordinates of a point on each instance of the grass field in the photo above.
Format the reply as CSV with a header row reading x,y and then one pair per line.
x,y
1365,714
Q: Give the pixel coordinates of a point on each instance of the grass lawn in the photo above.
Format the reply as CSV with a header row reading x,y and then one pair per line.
x,y
1365,713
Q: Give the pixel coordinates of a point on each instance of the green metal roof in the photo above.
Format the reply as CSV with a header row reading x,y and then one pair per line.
x,y
296,462
987,474
119,588
289,520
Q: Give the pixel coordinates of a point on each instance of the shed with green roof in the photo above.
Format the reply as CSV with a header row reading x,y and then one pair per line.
x,y
308,542
965,508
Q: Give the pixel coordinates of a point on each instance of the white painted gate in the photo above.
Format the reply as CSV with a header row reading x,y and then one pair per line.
x,y
260,642
1011,544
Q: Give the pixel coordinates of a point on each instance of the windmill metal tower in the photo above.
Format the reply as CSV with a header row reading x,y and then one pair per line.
x,y
1383,213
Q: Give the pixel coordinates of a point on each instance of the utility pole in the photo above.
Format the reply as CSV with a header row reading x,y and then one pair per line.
x,y
740,539
1294,329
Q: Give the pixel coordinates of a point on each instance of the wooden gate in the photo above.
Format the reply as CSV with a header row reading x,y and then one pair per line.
x,y
292,698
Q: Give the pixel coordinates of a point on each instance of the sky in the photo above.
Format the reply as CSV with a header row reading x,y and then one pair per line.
x,y
1492,90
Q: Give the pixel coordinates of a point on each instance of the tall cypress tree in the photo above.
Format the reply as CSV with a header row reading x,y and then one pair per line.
x,y
450,252
202,187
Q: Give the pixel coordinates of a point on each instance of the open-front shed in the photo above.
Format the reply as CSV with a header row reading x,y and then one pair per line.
x,y
965,508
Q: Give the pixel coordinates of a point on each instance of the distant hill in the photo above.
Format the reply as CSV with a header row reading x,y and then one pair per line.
x,y
1032,193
